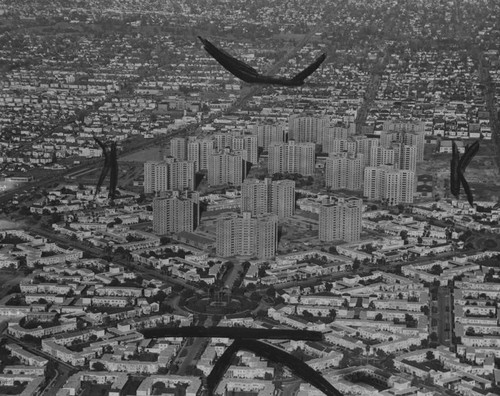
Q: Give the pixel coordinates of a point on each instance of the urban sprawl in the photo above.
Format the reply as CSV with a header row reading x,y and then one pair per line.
x,y
325,207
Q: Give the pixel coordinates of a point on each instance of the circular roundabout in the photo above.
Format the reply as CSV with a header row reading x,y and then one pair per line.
x,y
220,304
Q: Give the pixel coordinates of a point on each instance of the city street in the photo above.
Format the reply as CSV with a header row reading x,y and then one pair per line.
x,y
314,140
445,315
63,370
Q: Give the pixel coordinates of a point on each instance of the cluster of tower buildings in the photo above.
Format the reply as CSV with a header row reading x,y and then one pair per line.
x,y
176,211
383,167
255,230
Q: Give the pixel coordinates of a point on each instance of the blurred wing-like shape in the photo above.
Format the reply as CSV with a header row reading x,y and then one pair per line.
x,y
467,189
274,354
221,367
114,171
469,154
230,63
105,167
310,69
454,170
232,332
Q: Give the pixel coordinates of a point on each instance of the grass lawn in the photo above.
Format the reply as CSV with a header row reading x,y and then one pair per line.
x,y
11,390
10,278
91,389
131,386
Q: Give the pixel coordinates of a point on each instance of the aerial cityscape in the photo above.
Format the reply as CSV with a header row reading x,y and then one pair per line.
x,y
249,197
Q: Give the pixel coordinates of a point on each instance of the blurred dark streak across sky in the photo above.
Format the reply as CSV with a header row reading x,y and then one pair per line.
x,y
246,339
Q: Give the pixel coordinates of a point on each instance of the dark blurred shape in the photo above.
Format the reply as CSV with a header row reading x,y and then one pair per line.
x,y
232,332
105,167
458,165
250,75
269,352
114,171
245,339
110,163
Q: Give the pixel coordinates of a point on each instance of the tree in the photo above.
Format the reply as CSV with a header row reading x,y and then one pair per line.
x,y
25,211
114,282
262,271
81,324
429,355
344,362
410,321
379,317
98,366
436,269
271,292
359,302
255,297
308,315
160,296
355,265
389,363
50,370
332,314
187,293
332,250
158,388
142,198
56,217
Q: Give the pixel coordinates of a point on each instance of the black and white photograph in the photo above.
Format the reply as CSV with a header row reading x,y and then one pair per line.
x,y
249,197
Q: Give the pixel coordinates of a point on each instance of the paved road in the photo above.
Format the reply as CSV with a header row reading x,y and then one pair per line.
x,y
63,370
99,253
291,388
249,91
371,92
233,275
59,176
441,316
194,350
445,318
64,240
489,96
14,279
58,381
